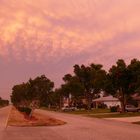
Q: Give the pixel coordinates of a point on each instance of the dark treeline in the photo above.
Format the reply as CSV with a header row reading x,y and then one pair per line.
x,y
3,102
121,81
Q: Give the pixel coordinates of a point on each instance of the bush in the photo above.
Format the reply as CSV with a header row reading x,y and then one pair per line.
x,y
102,105
113,108
25,110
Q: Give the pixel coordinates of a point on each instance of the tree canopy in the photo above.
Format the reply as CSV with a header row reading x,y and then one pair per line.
x,y
87,81
122,81
35,91
3,102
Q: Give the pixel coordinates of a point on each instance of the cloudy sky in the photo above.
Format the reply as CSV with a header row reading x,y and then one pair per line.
x,y
50,36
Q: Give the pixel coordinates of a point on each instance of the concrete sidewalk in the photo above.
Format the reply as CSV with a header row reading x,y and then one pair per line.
x,y
126,119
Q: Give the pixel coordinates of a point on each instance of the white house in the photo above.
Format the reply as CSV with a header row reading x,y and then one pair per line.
x,y
109,101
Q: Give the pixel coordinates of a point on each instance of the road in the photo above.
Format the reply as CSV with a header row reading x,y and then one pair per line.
x,y
4,112
77,128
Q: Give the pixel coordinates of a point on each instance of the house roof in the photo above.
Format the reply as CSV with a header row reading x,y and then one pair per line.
x,y
106,99
136,96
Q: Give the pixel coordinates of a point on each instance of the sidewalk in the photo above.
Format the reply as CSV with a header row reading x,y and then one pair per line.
x,y
126,119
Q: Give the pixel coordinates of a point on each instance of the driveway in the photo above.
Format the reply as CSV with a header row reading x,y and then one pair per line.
x,y
77,128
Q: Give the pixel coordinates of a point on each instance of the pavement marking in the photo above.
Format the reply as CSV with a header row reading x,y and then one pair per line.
x,y
6,122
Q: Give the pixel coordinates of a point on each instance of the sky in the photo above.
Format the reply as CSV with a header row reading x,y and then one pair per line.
x,y
50,36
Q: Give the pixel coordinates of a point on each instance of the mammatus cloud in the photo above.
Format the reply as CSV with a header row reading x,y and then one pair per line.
x,y
49,36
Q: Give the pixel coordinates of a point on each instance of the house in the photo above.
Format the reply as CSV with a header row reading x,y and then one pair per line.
x,y
136,97
66,101
109,101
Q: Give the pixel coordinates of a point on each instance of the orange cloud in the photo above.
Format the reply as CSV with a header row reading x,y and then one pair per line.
x,y
50,36
47,28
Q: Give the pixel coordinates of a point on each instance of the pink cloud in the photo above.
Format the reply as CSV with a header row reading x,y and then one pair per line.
x,y
51,36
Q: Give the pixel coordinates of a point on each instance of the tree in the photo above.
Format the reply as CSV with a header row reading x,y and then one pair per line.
x,y
33,93
91,78
3,102
20,95
73,87
58,95
122,80
40,89
134,69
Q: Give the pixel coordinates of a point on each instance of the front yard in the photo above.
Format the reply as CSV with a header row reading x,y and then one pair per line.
x,y
104,113
89,112
114,115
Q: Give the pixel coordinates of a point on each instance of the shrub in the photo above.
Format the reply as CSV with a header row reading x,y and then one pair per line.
x,y
113,108
25,110
102,105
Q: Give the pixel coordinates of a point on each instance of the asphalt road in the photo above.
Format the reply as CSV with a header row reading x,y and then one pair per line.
x,y
4,112
77,128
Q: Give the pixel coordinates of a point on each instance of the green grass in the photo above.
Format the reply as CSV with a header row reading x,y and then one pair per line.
x,y
100,113
136,123
48,109
81,112
114,115
2,106
88,112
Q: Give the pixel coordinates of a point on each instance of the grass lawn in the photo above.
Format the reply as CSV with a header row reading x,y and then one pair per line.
x,y
136,123
115,115
101,113
94,111
2,106
104,113
80,112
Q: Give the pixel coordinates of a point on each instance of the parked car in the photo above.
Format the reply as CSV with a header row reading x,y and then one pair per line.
x,y
67,108
131,108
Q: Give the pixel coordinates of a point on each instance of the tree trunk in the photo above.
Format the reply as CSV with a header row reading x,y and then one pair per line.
x,y
122,101
60,103
89,101
31,113
122,107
